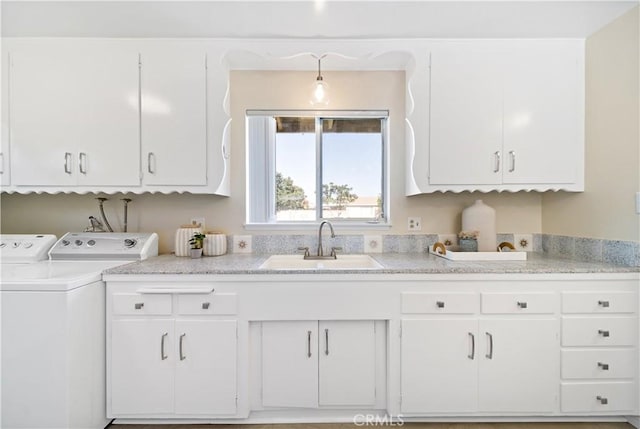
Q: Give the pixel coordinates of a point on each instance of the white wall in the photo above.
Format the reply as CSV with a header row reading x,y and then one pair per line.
x,y
606,209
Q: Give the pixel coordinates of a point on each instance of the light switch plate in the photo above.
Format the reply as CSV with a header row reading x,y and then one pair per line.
x,y
414,223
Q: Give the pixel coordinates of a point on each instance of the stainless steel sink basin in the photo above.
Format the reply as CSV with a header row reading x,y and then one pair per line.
x,y
343,262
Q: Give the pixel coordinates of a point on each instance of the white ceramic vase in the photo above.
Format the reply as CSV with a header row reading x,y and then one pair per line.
x,y
183,235
482,218
215,244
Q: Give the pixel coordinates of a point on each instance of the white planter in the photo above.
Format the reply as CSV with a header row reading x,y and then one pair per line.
x,y
183,235
215,244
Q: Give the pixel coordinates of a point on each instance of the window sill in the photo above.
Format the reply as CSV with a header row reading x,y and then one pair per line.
x,y
313,226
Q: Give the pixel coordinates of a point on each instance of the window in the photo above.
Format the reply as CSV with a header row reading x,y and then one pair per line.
x,y
308,166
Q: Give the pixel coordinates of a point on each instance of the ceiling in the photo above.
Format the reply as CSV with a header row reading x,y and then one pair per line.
x,y
305,19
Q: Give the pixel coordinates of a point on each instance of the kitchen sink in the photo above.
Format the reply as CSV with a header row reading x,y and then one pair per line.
x,y
342,262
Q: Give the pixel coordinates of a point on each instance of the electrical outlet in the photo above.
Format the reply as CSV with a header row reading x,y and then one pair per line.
x,y
414,223
198,220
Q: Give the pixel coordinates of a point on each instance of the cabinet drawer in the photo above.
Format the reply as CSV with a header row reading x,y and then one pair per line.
x,y
599,302
599,331
136,303
518,303
598,397
598,364
210,303
444,303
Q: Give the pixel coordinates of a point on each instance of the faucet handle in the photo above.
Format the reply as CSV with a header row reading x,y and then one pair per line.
x,y
333,251
306,251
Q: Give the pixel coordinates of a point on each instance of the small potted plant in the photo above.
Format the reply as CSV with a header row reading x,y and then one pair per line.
x,y
196,242
468,241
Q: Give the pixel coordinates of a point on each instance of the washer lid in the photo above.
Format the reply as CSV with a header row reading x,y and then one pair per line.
x,y
53,275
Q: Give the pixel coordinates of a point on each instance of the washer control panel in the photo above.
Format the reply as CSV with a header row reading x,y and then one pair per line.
x,y
25,248
105,246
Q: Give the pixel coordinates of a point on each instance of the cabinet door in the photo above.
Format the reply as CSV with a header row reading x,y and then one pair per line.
x,y
439,365
74,116
347,372
174,122
205,367
466,116
290,364
519,365
543,114
142,367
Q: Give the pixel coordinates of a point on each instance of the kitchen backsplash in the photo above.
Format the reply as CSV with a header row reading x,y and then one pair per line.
x,y
585,249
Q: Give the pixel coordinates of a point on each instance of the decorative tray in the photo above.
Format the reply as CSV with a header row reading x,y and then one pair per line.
x,y
451,253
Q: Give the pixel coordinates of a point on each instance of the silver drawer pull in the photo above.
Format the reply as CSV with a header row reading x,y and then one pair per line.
x,y
309,344
522,304
205,305
603,333
162,355
602,400
603,366
138,305
326,342
472,355
440,304
603,304
182,356
489,354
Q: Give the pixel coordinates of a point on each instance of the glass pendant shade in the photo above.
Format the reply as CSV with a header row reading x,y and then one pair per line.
x,y
319,89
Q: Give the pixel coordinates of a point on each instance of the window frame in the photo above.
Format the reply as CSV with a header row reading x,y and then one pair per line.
x,y
257,203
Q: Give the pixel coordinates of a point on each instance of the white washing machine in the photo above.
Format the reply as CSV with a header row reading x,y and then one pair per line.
x,y
53,330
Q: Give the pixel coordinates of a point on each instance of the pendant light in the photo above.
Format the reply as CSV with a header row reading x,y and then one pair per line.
x,y
320,89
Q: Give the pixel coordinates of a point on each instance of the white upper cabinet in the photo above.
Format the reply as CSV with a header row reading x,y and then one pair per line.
x,y
466,115
505,115
174,107
74,115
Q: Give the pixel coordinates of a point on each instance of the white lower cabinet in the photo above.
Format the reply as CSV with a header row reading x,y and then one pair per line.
x,y
599,351
313,364
470,365
167,366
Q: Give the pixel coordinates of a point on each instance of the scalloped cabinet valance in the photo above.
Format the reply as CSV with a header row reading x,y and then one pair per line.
x,y
152,115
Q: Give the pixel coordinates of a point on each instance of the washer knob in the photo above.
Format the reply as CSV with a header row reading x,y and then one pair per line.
x,y
65,242
3,245
78,242
130,242
91,243
15,244
27,245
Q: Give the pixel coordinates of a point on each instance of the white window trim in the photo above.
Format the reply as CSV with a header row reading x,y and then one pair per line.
x,y
259,198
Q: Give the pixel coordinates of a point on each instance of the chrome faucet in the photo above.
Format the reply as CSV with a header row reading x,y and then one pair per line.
x,y
320,254
333,234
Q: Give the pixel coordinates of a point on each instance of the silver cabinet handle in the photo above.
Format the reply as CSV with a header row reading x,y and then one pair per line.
x,y
603,304
497,159
602,400
522,304
138,305
512,153
603,366
440,304
308,343
182,356
82,158
326,342
205,305
151,155
603,333
489,354
1,163
67,162
472,355
162,355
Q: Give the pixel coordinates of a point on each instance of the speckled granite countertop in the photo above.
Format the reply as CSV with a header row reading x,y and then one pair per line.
x,y
393,263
